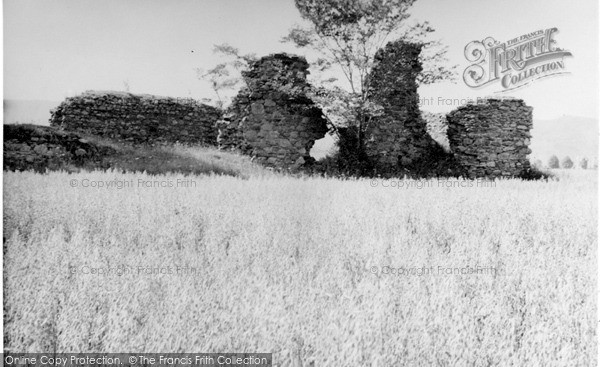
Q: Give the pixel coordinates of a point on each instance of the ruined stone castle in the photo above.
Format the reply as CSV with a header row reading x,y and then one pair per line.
x,y
274,120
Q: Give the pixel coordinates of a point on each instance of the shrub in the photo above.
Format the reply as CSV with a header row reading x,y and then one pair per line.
x,y
553,162
567,163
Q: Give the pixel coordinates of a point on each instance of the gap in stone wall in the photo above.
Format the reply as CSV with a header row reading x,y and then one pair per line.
x,y
323,147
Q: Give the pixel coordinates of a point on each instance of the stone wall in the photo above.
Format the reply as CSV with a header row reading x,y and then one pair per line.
x,y
490,138
138,119
272,118
32,147
397,139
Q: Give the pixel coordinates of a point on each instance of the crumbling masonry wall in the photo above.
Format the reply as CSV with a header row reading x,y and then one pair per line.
x,y
399,137
138,119
490,138
39,148
272,118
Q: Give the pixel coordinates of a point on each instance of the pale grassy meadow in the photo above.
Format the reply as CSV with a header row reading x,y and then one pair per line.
x,y
296,267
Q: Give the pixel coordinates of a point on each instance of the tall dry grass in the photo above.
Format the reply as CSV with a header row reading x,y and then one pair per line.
x,y
284,265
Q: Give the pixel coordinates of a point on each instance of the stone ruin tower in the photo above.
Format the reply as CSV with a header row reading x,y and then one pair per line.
x,y
398,138
490,138
272,118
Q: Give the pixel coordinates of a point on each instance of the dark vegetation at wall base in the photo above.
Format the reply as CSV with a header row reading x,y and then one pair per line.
x,y
349,161
40,147
138,119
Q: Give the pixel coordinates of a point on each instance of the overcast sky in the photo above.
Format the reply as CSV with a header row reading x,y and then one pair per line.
x,y
54,49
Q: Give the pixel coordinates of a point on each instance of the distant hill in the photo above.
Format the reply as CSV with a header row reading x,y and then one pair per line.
x,y
567,135
28,111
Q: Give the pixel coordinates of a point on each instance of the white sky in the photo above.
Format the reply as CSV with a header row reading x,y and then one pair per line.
x,y
53,49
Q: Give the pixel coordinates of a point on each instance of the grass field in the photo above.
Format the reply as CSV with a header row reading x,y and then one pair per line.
x,y
323,271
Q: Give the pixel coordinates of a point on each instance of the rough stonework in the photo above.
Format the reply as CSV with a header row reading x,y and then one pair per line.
x,y
32,147
138,119
490,138
272,118
399,137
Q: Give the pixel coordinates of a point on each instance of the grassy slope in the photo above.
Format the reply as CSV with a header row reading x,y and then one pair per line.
x,y
282,265
162,160
157,160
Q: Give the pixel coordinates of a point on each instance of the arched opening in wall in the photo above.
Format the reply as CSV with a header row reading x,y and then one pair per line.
x,y
322,147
